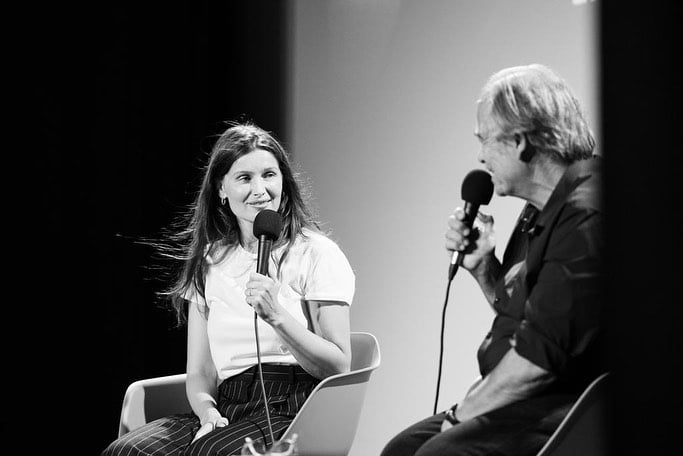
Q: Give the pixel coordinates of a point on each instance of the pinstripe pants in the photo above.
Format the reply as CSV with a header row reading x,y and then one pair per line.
x,y
240,400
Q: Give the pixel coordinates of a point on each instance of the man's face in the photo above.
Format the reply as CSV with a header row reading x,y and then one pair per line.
x,y
499,153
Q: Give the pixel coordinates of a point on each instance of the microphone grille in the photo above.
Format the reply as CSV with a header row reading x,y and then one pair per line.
x,y
477,187
268,223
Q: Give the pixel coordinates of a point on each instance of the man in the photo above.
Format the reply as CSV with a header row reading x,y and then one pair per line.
x,y
545,343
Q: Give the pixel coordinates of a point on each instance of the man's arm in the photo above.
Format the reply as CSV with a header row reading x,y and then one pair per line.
x,y
486,274
513,379
480,259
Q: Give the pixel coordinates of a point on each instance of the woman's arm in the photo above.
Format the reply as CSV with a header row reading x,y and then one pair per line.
x,y
320,355
201,380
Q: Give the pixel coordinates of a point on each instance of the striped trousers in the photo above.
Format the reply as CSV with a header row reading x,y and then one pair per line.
x,y
240,400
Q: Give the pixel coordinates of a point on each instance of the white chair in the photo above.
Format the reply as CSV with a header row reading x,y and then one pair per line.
x,y
583,432
326,424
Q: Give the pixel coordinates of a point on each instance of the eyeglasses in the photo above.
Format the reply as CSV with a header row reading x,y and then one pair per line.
x,y
498,137
485,140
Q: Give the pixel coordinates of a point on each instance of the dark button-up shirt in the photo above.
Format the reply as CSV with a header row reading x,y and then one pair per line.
x,y
548,301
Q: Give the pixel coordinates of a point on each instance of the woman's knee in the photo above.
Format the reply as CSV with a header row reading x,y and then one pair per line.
x,y
157,437
120,446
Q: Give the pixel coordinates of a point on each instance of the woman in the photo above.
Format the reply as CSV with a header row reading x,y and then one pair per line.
x,y
302,306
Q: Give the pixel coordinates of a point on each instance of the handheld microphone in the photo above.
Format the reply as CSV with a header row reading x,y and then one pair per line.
x,y
477,189
267,227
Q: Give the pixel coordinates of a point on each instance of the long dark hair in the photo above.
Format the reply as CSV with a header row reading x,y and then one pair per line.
x,y
208,225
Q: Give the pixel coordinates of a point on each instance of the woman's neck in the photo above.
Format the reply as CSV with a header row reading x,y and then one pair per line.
x,y
247,239
249,243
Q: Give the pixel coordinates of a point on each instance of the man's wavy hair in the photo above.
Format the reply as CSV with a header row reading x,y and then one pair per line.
x,y
535,101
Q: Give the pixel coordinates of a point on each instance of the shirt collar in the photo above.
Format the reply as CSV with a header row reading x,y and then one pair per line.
x,y
533,221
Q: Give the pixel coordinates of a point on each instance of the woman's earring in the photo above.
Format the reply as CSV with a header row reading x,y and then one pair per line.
x,y
223,200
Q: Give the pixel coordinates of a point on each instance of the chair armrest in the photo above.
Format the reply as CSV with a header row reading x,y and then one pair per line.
x,y
149,399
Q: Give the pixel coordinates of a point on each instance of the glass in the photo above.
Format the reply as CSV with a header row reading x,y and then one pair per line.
x,y
281,448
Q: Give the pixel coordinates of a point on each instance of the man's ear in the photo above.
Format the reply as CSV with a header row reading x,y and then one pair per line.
x,y
526,150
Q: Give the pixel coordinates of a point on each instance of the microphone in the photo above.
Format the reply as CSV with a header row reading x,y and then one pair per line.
x,y
477,189
267,227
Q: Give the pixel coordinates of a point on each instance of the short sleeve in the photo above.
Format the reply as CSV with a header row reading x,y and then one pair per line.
x,y
329,276
193,296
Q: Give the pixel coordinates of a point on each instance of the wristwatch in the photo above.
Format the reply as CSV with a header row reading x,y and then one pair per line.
x,y
450,415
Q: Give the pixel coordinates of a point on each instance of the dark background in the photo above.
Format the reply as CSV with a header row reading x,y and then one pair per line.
x,y
131,96
128,98
641,94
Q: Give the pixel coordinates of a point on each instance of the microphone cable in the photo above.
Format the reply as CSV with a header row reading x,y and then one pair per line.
x,y
443,324
267,228
260,373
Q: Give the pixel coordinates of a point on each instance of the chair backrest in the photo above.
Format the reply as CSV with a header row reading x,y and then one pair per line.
x,y
583,431
327,423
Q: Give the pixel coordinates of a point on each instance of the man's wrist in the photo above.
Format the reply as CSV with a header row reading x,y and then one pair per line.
x,y
450,415
485,272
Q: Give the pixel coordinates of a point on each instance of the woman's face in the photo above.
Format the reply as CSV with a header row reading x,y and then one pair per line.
x,y
253,183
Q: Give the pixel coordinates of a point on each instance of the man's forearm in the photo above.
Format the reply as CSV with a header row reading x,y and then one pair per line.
x,y
513,379
486,275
